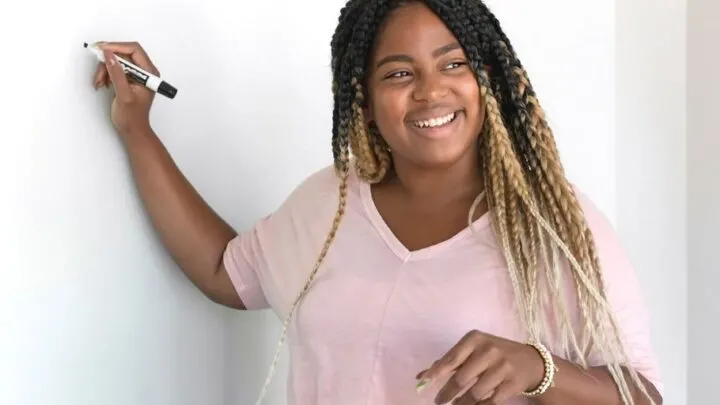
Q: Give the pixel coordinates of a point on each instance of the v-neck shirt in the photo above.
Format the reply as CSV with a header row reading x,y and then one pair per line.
x,y
377,313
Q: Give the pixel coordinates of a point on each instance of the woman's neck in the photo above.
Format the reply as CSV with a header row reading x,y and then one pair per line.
x,y
437,185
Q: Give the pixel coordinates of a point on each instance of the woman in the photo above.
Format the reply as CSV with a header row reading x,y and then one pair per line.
x,y
449,250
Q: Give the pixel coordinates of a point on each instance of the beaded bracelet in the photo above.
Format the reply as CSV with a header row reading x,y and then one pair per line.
x,y
550,370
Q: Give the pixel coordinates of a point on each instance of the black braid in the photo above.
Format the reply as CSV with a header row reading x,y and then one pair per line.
x,y
340,39
486,30
339,44
350,59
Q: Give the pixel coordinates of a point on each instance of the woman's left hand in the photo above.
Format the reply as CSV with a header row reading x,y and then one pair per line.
x,y
494,369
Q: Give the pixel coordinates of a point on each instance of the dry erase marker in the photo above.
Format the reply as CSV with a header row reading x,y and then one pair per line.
x,y
139,75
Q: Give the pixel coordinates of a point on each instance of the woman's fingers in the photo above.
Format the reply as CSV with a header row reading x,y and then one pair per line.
x,y
117,75
100,78
135,53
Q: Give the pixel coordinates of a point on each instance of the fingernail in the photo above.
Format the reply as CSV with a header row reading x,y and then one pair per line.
x,y
422,384
109,58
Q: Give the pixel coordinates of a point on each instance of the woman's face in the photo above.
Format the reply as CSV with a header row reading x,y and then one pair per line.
x,y
424,97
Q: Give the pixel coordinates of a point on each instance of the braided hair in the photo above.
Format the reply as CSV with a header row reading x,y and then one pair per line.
x,y
536,215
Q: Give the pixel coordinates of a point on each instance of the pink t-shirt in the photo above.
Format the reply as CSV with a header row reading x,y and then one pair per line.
x,y
377,314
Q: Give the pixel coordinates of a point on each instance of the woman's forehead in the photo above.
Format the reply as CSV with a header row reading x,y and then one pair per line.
x,y
412,29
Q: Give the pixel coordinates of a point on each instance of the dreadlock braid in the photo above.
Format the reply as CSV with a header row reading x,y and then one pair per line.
x,y
536,215
382,150
526,126
341,130
592,311
372,160
341,38
513,81
551,187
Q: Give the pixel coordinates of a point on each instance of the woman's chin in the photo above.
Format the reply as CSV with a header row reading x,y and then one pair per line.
x,y
442,158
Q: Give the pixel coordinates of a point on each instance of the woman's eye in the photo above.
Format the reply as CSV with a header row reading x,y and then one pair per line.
x,y
397,75
454,65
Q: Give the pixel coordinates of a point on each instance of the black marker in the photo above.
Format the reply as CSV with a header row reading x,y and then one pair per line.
x,y
139,75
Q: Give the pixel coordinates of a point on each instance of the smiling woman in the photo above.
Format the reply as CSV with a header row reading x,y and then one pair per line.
x,y
426,105
458,256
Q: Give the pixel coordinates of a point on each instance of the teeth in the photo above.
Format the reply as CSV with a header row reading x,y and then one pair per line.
x,y
435,122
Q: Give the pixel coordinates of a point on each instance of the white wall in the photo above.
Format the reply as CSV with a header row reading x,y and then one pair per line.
x,y
703,199
651,169
92,309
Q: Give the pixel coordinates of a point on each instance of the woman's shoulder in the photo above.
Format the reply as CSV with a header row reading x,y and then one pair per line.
x,y
318,192
319,185
597,220
614,260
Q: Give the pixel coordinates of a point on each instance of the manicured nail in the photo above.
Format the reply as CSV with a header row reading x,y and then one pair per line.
x,y
422,384
109,57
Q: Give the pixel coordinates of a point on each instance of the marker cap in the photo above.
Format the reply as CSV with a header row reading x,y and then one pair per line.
x,y
167,90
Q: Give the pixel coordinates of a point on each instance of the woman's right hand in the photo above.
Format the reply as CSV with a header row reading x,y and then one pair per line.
x,y
130,109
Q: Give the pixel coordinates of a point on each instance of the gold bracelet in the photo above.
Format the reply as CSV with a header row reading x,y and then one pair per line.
x,y
550,370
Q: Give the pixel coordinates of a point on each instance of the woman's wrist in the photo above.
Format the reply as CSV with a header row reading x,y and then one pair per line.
x,y
545,373
136,135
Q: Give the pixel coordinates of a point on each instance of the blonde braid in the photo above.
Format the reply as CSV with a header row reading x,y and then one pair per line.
x,y
515,233
548,201
372,158
495,187
568,342
581,251
343,169
530,238
382,152
564,197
